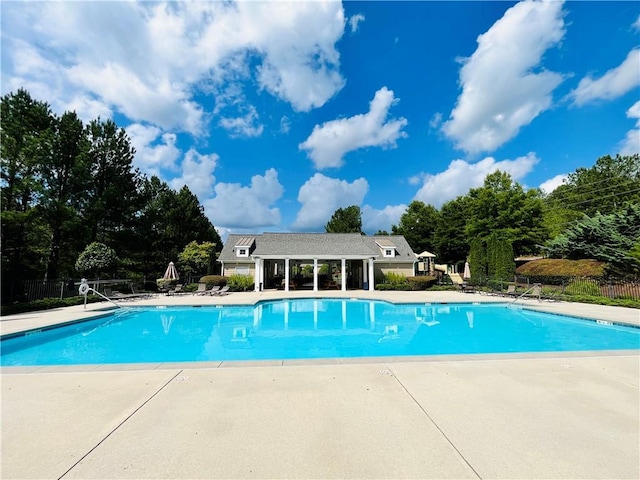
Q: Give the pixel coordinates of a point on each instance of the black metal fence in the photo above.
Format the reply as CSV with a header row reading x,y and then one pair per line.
x,y
30,290
624,289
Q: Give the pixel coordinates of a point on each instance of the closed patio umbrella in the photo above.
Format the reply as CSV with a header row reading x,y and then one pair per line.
x,y
171,273
467,270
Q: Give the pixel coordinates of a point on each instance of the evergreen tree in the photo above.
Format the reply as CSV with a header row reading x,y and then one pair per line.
x,y
345,220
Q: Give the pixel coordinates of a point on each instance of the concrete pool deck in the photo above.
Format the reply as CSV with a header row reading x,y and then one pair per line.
x,y
574,415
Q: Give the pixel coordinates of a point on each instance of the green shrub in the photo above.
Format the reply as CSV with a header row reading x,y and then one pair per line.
x,y
46,304
421,282
214,280
553,267
190,287
394,286
240,283
395,279
165,283
582,287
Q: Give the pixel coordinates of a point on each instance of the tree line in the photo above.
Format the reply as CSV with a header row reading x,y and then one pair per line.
x,y
594,214
66,184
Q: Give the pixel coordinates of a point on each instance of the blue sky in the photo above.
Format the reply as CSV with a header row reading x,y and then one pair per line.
x,y
277,113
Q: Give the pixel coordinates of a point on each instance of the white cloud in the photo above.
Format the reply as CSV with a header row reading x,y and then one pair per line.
x,y
321,196
245,126
154,152
197,173
245,207
149,60
285,124
436,120
354,21
461,176
374,219
550,185
613,84
636,24
503,85
329,142
631,144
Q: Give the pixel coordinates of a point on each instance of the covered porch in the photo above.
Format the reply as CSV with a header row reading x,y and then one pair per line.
x,y
313,273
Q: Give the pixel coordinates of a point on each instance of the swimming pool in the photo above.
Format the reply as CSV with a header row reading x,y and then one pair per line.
x,y
310,328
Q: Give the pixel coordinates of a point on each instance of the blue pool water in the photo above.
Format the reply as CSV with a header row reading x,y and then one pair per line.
x,y
310,328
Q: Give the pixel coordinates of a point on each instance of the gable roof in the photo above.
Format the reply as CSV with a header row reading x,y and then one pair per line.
x,y
316,245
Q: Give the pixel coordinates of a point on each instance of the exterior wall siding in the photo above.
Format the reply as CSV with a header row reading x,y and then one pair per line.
x,y
382,268
230,268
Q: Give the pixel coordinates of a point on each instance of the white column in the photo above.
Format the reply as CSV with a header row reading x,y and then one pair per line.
x,y
371,279
256,276
315,274
344,274
365,273
286,274
222,269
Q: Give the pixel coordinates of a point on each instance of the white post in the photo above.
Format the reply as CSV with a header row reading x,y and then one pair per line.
x,y
371,279
315,274
286,274
344,275
256,276
365,272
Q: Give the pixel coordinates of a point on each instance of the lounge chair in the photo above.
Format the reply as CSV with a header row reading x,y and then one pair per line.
x,y
511,291
465,288
223,291
212,291
177,289
202,289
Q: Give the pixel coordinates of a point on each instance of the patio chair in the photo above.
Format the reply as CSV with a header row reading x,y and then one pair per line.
x,y
202,289
511,291
223,291
177,289
212,291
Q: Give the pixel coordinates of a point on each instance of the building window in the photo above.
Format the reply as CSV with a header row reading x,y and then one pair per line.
x,y
242,270
242,252
389,252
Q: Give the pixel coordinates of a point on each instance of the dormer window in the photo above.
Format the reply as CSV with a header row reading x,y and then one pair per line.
x,y
243,246
387,247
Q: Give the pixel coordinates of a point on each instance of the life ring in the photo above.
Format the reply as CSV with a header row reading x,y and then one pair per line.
x,y
84,288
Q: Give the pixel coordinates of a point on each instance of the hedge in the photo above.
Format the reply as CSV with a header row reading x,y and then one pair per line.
x,y
46,304
561,268
214,280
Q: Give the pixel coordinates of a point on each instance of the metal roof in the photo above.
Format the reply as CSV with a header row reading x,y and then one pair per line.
x,y
245,241
385,243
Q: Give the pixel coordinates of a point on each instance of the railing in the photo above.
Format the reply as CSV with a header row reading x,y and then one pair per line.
x,y
614,288
30,290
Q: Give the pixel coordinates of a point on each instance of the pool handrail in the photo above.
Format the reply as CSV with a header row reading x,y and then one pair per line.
x,y
535,286
101,295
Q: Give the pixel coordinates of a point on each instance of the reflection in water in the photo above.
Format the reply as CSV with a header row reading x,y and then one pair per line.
x,y
166,320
